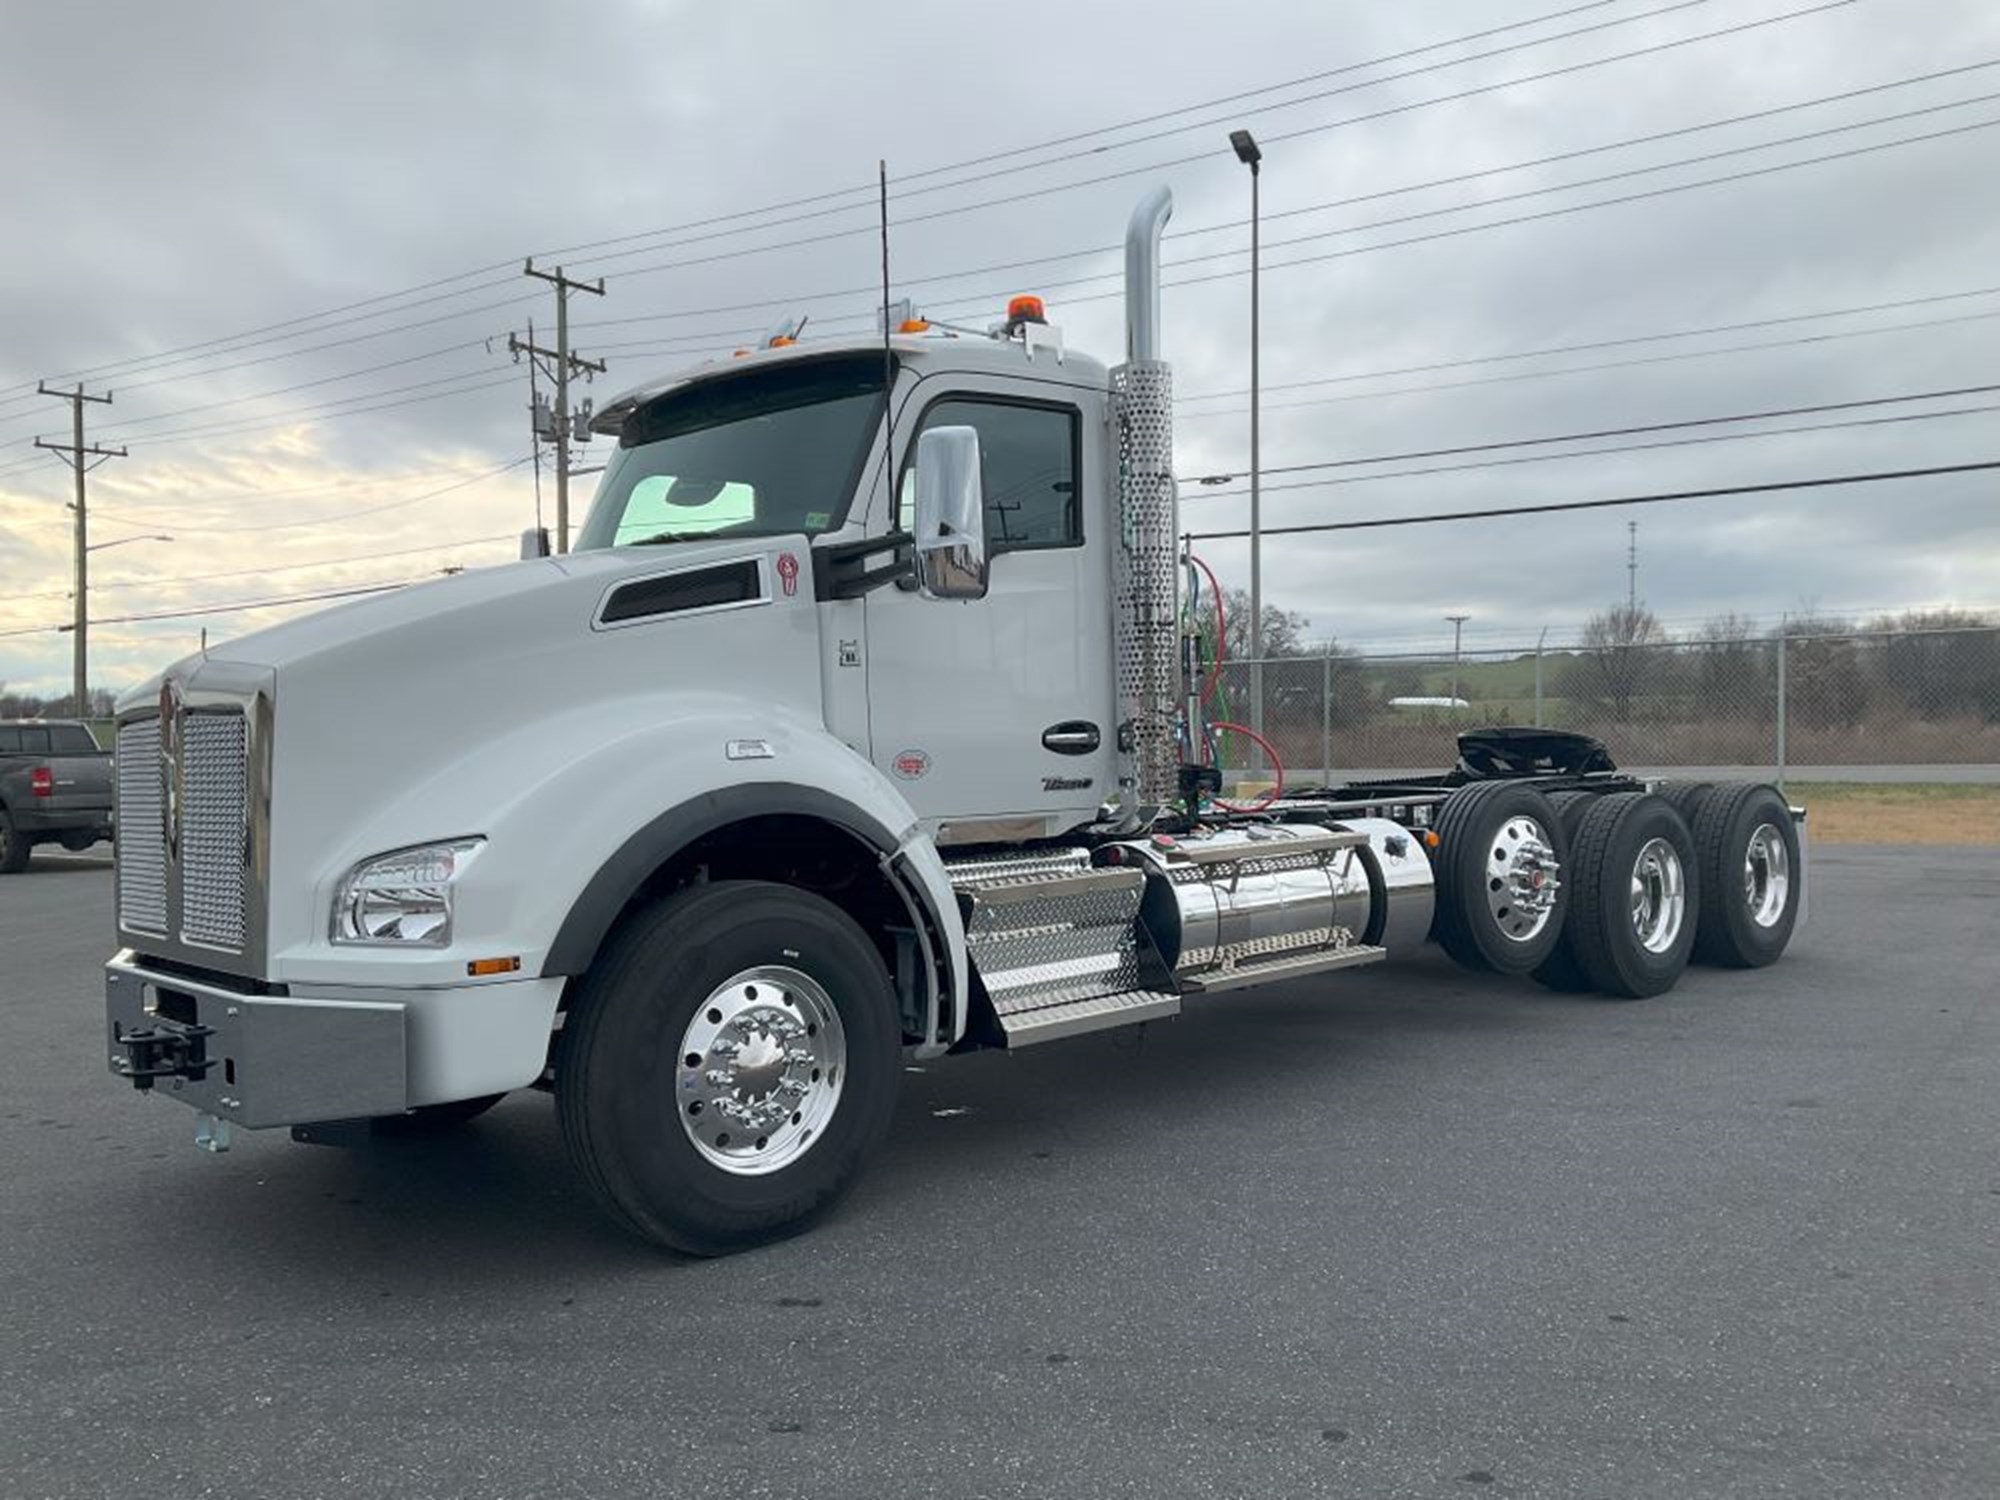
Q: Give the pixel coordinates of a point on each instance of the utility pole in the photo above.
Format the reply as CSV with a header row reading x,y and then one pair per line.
x,y
76,454
1457,634
562,365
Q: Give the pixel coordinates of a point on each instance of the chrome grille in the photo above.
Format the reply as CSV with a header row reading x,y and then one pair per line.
x,y
214,827
142,854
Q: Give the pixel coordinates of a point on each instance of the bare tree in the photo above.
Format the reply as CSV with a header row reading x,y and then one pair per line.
x,y
1618,659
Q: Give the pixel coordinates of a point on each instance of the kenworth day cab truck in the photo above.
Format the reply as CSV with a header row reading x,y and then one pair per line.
x,y
829,746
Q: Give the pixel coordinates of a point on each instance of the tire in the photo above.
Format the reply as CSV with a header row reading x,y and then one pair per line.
x,y
729,969
437,1119
14,849
1559,971
1619,946
1686,797
1749,900
1485,831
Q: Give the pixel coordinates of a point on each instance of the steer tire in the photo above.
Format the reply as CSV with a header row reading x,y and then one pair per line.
x,y
1730,933
774,958
13,848
1476,821
1602,937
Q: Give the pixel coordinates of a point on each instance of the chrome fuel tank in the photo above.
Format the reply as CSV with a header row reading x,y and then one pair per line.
x,y
1262,892
1249,894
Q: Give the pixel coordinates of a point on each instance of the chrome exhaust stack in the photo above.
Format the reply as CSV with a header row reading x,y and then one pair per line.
x,y
1145,597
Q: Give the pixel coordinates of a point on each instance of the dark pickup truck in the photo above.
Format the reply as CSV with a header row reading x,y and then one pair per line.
x,y
55,787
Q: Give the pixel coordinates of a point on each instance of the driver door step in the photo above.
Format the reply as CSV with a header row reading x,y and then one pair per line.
x,y
1098,1013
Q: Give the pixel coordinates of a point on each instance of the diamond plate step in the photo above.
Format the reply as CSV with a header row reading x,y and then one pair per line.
x,y
1073,1017
1245,975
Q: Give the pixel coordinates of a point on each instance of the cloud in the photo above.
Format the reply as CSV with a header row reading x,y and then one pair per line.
x,y
236,166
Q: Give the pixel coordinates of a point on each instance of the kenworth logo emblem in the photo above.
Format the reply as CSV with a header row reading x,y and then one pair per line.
x,y
173,708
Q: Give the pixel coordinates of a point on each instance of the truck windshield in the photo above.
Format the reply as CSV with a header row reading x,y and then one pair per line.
x,y
770,453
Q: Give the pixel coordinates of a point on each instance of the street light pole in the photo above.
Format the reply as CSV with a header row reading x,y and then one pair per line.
x,y
1247,152
1457,632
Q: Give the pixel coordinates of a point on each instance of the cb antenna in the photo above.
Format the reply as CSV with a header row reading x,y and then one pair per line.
x,y
888,355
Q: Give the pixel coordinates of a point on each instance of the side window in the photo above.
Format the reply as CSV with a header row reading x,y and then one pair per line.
x,y
1028,471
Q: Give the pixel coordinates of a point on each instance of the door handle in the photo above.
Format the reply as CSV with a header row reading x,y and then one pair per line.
x,y
1071,737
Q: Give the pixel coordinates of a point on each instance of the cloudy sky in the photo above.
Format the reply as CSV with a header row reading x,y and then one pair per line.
x,y
218,211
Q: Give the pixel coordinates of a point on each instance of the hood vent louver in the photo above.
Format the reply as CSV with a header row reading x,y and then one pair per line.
x,y
719,586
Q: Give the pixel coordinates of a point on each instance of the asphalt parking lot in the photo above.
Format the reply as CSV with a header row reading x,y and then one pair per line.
x,y
1404,1232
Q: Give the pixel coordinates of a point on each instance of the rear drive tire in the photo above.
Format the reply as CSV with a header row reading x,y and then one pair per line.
x,y
1559,971
1686,797
1502,894
1637,891
13,848
730,1064
1748,851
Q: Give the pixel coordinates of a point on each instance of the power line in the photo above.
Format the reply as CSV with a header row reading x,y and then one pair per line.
x,y
1637,338
242,338
1502,223
243,341
260,572
1376,195
1543,458
1614,364
1771,414
1660,498
234,607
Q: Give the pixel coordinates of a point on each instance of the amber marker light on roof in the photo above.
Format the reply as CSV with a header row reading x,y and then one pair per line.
x,y
1026,309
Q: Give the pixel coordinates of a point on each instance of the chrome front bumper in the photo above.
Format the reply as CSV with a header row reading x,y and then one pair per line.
x,y
255,1060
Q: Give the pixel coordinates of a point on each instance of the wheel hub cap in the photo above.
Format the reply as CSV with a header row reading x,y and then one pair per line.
x,y
1767,877
1522,878
1659,896
760,1070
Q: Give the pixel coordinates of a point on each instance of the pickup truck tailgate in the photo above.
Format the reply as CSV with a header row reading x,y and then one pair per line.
x,y
79,783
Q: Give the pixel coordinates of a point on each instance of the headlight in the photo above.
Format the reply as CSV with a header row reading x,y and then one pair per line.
x,y
404,896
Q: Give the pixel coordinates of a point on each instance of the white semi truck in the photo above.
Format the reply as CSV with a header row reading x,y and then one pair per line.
x,y
839,740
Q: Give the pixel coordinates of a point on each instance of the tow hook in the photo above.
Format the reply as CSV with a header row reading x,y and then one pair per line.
x,y
166,1049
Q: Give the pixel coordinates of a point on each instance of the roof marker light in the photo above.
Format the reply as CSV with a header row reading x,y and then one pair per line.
x,y
1026,309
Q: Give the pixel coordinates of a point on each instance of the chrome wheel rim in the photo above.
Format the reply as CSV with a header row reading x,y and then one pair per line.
x,y
760,1070
1767,875
1522,878
1659,896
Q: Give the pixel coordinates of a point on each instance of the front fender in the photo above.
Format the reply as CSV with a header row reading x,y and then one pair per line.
x,y
580,809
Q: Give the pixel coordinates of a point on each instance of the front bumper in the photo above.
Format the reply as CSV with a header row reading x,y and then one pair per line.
x,y
256,1060
260,1060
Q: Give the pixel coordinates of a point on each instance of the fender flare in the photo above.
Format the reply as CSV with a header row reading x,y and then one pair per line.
x,y
606,895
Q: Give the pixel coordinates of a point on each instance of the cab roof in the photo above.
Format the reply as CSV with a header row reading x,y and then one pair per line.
x,y
935,351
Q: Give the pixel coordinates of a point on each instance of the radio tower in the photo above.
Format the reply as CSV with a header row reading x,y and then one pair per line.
x,y
1632,568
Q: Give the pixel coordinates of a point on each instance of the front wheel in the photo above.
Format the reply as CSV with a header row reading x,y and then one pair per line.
x,y
731,1062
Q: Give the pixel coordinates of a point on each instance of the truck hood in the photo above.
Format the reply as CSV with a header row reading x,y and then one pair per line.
x,y
427,626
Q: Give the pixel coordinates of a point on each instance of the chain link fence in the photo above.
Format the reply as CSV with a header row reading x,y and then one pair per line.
x,y
1859,699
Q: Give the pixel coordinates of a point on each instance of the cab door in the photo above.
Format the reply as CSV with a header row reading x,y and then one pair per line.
x,y
995,715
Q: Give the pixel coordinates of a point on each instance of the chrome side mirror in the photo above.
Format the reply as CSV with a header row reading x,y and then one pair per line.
x,y
951,515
